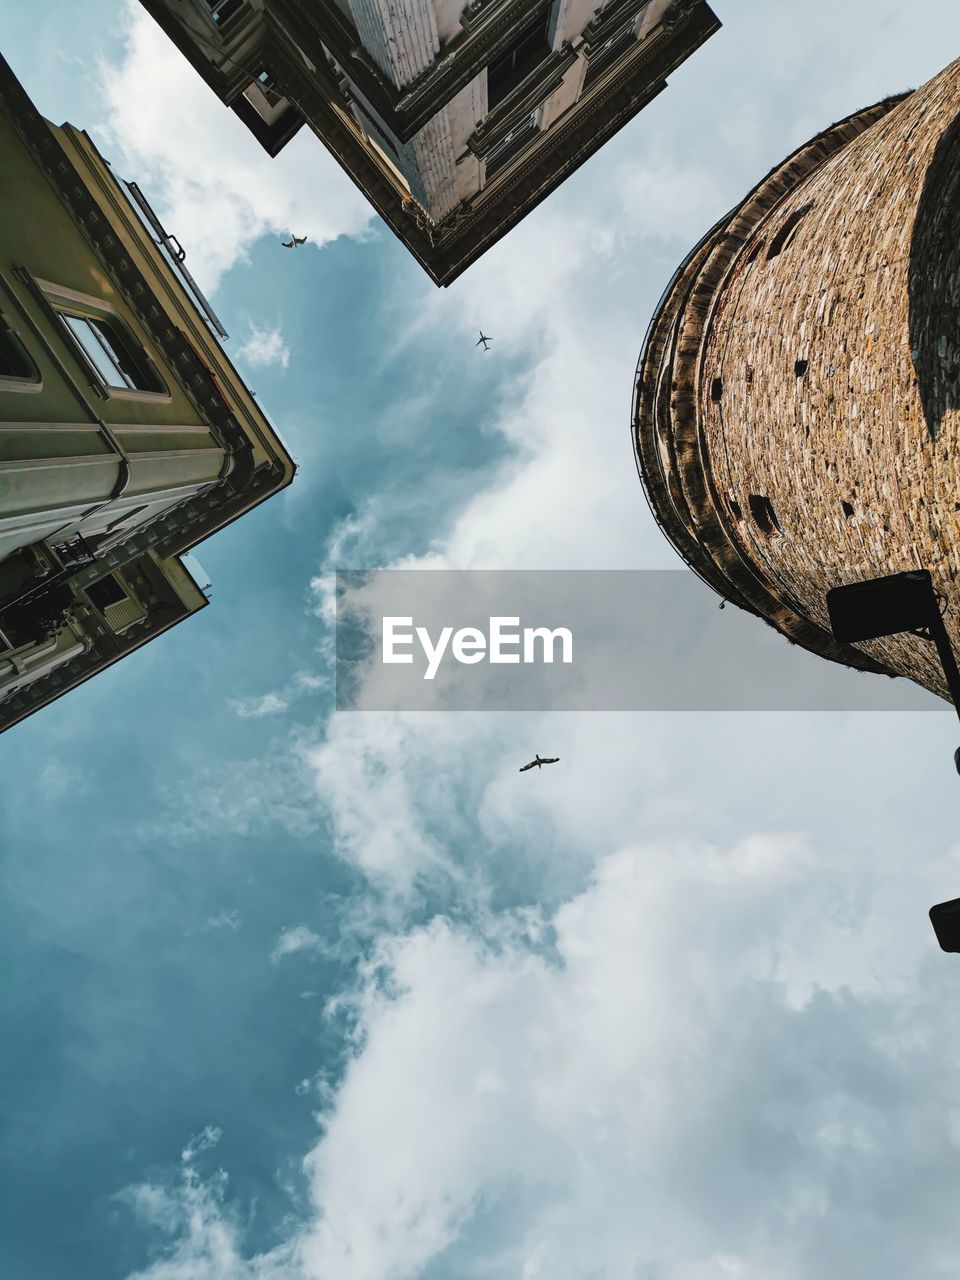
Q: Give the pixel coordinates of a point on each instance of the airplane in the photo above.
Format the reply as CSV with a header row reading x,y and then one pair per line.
x,y
485,340
293,241
539,762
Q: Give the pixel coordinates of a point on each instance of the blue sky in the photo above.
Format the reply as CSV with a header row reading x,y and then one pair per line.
x,y
297,995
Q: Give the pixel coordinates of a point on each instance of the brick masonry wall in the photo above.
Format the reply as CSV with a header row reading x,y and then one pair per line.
x,y
813,360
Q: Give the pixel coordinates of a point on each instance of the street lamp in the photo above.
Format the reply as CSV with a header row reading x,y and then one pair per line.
x,y
885,607
945,918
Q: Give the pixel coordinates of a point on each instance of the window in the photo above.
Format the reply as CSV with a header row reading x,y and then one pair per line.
x,y
111,352
512,144
106,592
716,390
221,11
528,48
763,512
269,87
15,362
800,368
605,55
787,231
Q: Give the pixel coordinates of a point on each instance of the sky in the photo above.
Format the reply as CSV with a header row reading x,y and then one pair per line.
x,y
291,994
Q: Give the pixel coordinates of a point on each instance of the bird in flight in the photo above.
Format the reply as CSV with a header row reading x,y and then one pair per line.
x,y
539,762
485,340
293,241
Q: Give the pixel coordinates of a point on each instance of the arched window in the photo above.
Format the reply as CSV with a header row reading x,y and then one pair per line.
x,y
763,512
787,231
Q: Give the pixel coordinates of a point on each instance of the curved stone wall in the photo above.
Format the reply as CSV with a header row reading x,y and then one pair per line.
x,y
798,397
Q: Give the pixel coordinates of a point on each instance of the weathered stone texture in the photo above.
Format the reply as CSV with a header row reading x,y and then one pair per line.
x,y
808,354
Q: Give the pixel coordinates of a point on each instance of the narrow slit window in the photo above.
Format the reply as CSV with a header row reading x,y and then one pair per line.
x,y
847,509
764,514
716,390
801,367
787,231
754,253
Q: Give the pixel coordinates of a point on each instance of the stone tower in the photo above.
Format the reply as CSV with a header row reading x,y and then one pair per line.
x,y
797,411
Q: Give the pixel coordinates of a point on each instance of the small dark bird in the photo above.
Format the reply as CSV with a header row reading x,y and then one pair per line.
x,y
539,762
723,604
485,340
294,241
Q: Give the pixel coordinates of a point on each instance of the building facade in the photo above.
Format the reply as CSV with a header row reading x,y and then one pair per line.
x,y
454,118
797,410
126,436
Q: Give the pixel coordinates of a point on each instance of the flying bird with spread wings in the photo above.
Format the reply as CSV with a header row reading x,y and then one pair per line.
x,y
485,340
293,241
539,762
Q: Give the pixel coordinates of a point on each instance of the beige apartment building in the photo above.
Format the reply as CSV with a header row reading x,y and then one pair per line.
x,y
126,435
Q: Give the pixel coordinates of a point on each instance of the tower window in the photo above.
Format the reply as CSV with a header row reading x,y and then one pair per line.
x,y
716,390
801,367
787,231
764,514
527,48
847,509
754,252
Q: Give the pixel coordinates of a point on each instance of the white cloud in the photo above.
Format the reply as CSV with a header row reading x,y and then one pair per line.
x,y
264,347
302,684
212,183
59,778
269,704
644,1095
225,920
706,1051
203,1141
297,938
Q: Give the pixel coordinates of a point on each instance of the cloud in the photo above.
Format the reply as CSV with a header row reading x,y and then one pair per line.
x,y
241,797
58,778
225,920
297,938
264,347
303,684
209,179
269,704
672,1073
721,1052
206,1140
